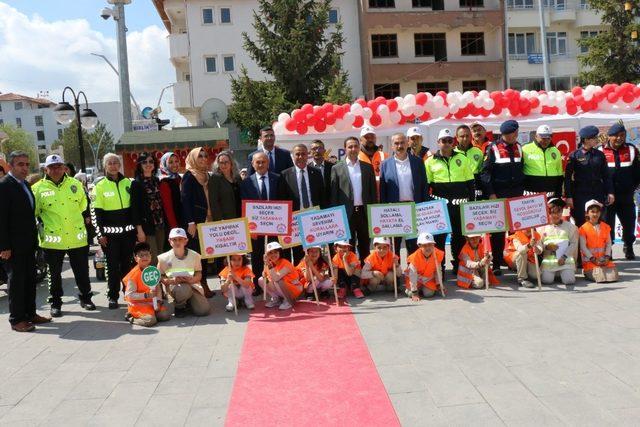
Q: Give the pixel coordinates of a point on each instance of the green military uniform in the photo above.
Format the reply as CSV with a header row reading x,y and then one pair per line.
x,y
542,169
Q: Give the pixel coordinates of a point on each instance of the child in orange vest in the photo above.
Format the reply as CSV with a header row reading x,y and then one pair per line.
x,y
378,266
313,265
423,270
279,279
519,255
595,246
346,269
473,261
238,274
140,297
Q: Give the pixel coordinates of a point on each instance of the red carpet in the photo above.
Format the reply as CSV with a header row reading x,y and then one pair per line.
x,y
309,367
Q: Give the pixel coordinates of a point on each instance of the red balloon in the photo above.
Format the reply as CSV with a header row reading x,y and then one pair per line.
x,y
572,109
358,122
628,97
411,118
514,111
290,124
612,97
375,119
373,104
546,110
485,113
299,115
496,94
381,100
327,106
524,104
579,100
426,116
393,104
330,119
535,102
301,128
361,102
576,91
497,109
339,114
510,93
460,114
526,110
421,98
403,119
320,126
609,87
307,108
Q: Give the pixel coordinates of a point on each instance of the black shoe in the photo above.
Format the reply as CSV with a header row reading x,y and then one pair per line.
x,y
180,312
310,297
56,310
497,271
113,304
87,304
628,253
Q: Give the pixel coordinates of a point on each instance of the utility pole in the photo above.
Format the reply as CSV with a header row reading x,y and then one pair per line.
x,y
543,44
123,62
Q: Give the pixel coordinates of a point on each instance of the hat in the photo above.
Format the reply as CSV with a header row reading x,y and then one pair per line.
x,y
556,201
474,235
367,130
589,132
592,202
615,129
342,243
53,159
425,239
143,157
478,123
414,131
272,246
177,232
243,170
544,130
314,247
444,133
510,126
381,241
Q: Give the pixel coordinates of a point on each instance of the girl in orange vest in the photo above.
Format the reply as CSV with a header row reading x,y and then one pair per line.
x,y
519,255
279,279
346,268
595,246
378,266
423,271
318,269
238,274
472,263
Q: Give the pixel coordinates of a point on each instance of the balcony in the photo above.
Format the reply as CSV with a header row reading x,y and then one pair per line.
x,y
181,96
440,70
438,18
178,48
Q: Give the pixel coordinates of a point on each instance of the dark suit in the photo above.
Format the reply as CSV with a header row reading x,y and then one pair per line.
x,y
390,190
18,234
224,197
342,194
326,175
282,159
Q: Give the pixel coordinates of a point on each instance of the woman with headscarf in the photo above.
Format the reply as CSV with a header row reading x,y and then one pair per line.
x,y
194,195
170,181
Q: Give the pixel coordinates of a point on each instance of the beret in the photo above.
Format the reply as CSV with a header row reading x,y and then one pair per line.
x,y
615,129
589,132
509,126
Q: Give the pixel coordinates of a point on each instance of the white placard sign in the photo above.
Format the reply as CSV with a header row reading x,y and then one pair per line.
x,y
222,238
323,227
528,212
268,217
433,217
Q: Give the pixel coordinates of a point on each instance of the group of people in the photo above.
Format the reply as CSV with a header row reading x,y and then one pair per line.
x,y
152,219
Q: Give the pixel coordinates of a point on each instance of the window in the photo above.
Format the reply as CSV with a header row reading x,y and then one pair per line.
x,y
0,107
40,135
421,3
586,35
17,105
388,90
476,85
520,4
472,43
228,63
521,45
555,4
39,121
384,45
1,121
557,43
382,3
207,15
537,83
471,3
333,16
210,64
560,83
584,4
187,77
433,87
42,147
431,44
225,15
18,122
59,133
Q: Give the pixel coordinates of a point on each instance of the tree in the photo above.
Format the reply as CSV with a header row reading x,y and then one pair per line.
x,y
19,140
294,47
612,56
96,144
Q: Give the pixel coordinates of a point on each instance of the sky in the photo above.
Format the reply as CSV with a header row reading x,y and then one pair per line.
x,y
45,45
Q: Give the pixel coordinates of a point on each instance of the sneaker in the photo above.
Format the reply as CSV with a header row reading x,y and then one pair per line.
x,y
229,307
285,305
526,284
273,303
113,304
250,306
342,293
87,304
357,292
310,297
56,310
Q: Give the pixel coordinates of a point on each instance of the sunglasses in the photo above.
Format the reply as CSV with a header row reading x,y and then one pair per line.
x,y
447,140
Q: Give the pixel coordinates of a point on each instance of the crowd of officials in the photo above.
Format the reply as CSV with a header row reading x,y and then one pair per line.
x,y
152,219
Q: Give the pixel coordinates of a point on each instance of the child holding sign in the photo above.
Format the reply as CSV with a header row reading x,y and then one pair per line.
x,y
279,279
424,271
139,297
519,255
378,266
346,269
238,274
473,264
595,246
314,267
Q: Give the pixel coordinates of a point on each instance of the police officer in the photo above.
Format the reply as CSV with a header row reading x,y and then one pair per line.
x,y
542,164
415,138
624,168
60,203
586,175
473,153
111,215
450,177
502,176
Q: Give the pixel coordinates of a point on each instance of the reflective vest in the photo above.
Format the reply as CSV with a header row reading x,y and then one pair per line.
x,y
623,167
465,274
375,161
351,259
426,268
596,243
424,153
290,280
482,146
60,208
113,199
542,169
475,156
243,272
503,175
138,307
510,251
549,260
383,265
450,178
301,268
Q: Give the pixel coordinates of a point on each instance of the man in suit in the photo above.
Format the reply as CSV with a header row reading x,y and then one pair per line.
x,y
403,178
260,185
319,162
353,184
279,158
18,243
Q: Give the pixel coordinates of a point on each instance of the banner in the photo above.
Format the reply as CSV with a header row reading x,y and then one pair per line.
x,y
323,227
222,238
527,212
268,217
486,216
293,238
565,142
433,217
392,220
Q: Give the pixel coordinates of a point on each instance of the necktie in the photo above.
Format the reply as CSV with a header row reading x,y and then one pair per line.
x,y
305,194
263,189
272,163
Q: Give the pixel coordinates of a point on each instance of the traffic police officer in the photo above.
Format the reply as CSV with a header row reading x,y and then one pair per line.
x,y
502,176
450,177
624,168
542,165
60,202
111,215
473,153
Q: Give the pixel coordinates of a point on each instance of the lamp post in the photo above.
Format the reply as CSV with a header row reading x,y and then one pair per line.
x,y
87,119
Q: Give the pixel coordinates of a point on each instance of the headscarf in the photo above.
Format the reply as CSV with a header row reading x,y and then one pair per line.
x,y
164,165
200,174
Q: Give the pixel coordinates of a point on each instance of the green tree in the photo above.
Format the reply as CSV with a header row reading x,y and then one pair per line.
x,y
18,140
95,143
294,47
612,56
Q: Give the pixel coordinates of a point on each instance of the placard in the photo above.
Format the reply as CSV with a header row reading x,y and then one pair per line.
x,y
151,276
486,216
392,220
323,227
222,238
293,238
433,217
268,217
527,212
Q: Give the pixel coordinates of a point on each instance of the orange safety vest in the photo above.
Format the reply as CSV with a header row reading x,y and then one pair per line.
x,y
374,161
426,268
290,280
302,267
383,265
596,242
351,259
242,272
510,251
483,146
139,307
465,275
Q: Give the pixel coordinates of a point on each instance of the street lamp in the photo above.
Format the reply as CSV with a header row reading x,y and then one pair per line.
x,y
86,119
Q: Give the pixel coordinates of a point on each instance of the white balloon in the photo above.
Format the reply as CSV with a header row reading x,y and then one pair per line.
x,y
438,101
407,110
410,99
356,109
366,113
400,101
341,125
349,118
454,108
478,102
383,110
394,117
489,104
418,110
278,128
484,94
283,117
